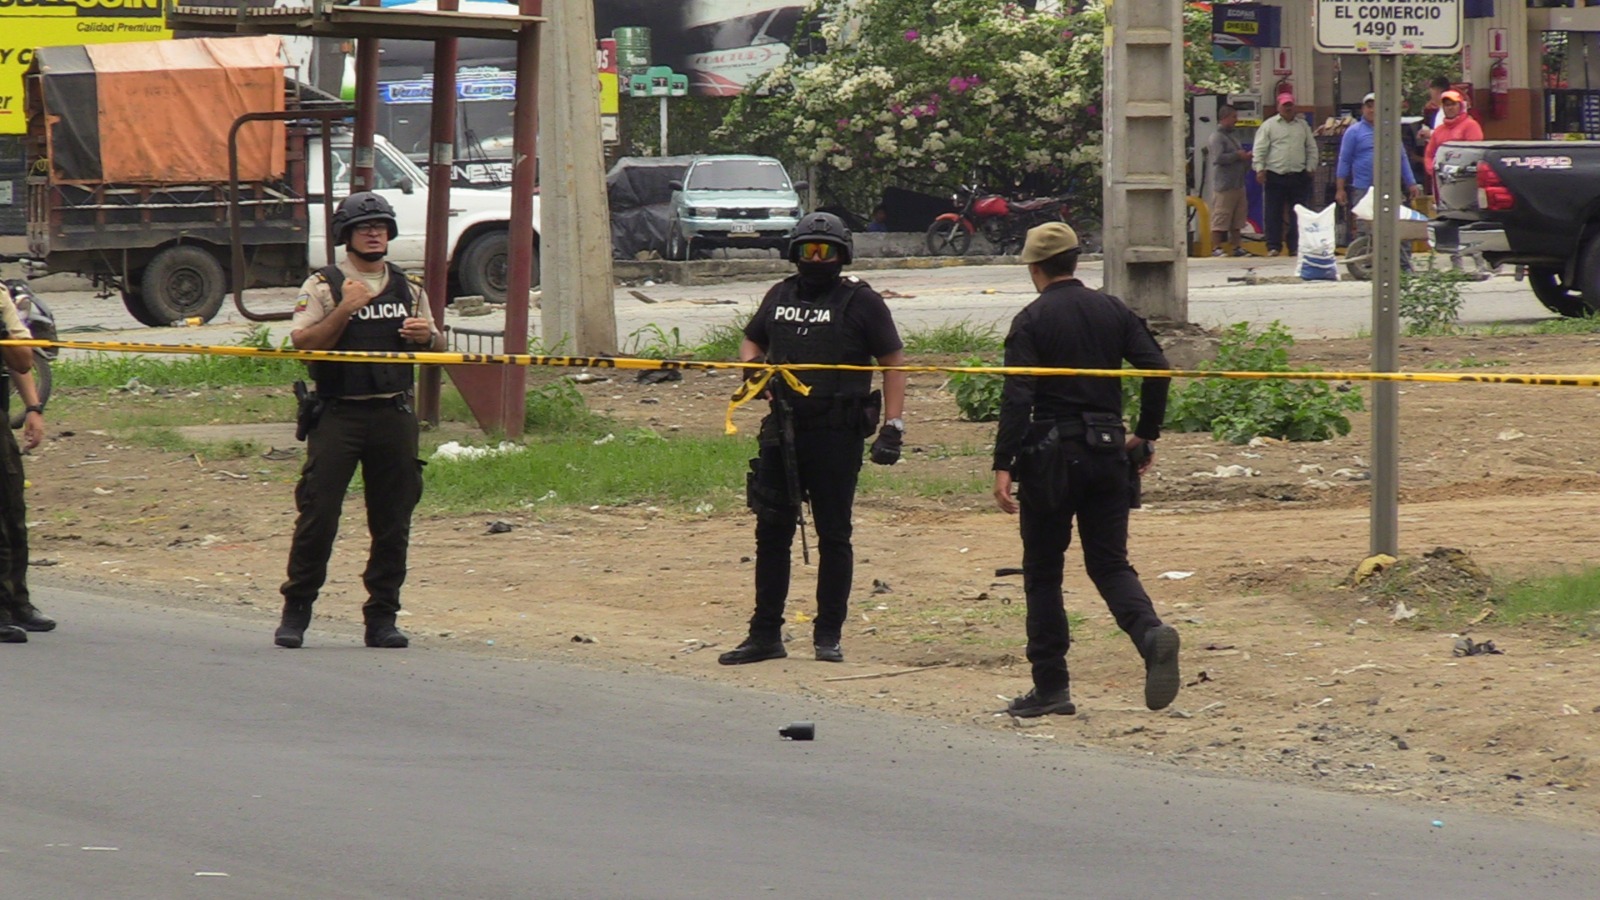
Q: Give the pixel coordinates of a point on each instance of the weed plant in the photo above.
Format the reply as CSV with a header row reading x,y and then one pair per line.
x,y
1236,410
1430,299
959,338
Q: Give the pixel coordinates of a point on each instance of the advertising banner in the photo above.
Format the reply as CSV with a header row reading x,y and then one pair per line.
x,y
1245,25
26,25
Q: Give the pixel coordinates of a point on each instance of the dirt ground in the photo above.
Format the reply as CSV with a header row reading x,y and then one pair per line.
x,y
1291,673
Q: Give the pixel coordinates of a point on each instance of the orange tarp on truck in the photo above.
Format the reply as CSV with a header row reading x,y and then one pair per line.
x,y
159,112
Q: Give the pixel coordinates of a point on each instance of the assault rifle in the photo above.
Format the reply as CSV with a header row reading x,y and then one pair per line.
x,y
791,470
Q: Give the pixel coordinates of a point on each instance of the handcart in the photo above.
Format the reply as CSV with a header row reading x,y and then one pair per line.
x,y
1359,256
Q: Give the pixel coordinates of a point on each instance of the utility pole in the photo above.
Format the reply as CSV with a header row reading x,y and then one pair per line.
x,y
1146,244
577,310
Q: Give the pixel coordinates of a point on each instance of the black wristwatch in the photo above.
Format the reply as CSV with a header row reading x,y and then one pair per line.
x,y
35,407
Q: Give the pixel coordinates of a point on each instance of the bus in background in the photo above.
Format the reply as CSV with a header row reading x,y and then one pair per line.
x,y
730,43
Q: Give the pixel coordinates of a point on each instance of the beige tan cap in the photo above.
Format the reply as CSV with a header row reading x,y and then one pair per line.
x,y
1047,240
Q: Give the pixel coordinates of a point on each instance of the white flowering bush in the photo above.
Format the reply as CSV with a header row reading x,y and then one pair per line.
x,y
929,93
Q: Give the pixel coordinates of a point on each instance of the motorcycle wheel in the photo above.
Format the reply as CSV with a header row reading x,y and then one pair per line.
x,y
948,238
41,381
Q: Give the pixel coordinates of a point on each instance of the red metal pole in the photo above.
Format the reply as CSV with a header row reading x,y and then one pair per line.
x,y
524,175
441,157
366,111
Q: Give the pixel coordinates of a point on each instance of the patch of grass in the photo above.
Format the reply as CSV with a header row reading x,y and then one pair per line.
x,y
1468,362
881,480
1572,598
632,466
1587,325
182,371
959,338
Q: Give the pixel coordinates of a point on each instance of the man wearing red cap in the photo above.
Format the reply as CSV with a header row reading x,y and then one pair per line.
x,y
1285,156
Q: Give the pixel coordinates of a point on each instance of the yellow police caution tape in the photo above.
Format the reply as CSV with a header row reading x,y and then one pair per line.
x,y
755,385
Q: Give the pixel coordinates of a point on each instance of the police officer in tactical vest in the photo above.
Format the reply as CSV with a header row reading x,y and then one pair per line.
x,y
811,445
18,616
365,418
1063,442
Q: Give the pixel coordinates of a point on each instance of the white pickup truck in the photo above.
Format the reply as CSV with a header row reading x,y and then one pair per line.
x,y
480,219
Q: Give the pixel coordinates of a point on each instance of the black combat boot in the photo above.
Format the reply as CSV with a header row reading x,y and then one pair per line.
x,y
291,631
11,634
29,618
1160,667
382,633
753,650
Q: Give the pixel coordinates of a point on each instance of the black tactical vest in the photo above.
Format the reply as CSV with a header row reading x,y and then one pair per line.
x,y
375,327
815,330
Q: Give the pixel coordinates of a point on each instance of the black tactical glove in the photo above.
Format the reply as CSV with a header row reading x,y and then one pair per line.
x,y
886,449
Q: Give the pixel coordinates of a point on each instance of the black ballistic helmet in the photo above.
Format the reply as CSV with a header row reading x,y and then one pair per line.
x,y
363,206
823,228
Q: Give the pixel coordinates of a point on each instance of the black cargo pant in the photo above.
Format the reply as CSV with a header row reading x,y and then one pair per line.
x,y
380,436
829,463
1096,493
13,529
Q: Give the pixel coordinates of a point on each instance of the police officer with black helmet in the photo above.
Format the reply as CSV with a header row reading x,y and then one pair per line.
x,y
366,419
811,446
1062,440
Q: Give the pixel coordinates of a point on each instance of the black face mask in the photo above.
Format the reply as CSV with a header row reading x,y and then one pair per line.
x,y
817,277
370,257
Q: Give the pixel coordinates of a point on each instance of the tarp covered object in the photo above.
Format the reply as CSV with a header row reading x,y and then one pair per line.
x,y
159,112
640,194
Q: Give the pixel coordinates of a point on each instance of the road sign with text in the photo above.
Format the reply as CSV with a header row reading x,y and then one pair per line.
x,y
1389,26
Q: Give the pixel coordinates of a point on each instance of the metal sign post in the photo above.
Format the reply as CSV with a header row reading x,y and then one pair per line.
x,y
1390,29
662,82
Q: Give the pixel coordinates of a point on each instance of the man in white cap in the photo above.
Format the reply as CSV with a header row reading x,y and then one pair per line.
x,y
1284,158
1063,442
1353,174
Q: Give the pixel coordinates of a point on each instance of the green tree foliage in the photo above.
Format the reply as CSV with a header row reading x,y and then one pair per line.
x,y
928,93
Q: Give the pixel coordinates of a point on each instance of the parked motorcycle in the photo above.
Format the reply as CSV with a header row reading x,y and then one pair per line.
x,y
41,323
1003,222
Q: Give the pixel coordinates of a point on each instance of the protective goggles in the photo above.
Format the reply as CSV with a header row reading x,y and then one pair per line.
x,y
817,251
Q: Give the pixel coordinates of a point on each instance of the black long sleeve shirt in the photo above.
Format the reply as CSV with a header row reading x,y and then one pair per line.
x,y
1070,326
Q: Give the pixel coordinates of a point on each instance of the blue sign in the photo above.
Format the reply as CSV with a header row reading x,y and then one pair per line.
x,y
1246,25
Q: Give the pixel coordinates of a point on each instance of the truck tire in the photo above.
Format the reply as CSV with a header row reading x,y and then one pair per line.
x,y
1589,277
41,382
133,301
1555,294
484,267
182,282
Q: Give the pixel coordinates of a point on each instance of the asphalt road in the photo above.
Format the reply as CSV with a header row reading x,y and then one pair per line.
x,y
921,299
154,753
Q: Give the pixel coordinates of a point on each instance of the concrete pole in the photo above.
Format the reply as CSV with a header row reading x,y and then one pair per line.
x,y
577,310
1386,162
1146,244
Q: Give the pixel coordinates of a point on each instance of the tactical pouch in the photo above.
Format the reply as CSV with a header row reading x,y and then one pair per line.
x,y
763,500
1104,432
308,412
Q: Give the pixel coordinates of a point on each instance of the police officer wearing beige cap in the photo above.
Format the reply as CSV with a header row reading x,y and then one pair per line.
x,y
1063,443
